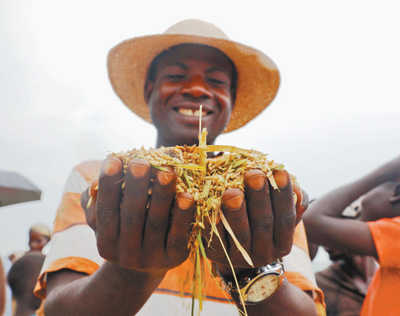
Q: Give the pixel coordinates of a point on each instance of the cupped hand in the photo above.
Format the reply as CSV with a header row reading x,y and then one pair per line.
x,y
262,218
138,222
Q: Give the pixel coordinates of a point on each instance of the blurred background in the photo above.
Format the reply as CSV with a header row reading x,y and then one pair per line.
x,y
335,118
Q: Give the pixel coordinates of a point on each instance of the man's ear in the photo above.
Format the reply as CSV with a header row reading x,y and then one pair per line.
x,y
148,89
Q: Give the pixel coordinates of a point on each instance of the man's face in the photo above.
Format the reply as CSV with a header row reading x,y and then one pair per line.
x,y
185,78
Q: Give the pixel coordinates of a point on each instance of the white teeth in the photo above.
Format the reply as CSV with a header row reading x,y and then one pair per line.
x,y
186,112
189,112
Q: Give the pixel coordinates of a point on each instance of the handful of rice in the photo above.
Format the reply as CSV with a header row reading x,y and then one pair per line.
x,y
206,179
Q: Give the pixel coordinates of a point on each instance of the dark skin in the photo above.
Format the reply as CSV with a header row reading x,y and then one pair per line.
x,y
2,288
141,246
181,85
22,280
37,241
381,199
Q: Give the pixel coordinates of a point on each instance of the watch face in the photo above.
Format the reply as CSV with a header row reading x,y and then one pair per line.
x,y
262,288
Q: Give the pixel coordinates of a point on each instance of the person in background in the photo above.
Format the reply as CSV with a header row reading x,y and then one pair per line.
x,y
39,237
2,288
141,258
8,295
345,282
22,279
373,233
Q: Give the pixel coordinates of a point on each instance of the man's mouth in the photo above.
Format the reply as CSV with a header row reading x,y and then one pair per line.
x,y
190,112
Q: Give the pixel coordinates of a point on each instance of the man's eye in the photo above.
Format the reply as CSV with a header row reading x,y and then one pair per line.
x,y
216,81
176,76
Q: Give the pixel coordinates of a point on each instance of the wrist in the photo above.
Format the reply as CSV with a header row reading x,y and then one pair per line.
x,y
226,271
129,274
253,286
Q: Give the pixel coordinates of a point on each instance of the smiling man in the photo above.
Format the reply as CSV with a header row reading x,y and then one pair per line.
x,y
141,260
189,75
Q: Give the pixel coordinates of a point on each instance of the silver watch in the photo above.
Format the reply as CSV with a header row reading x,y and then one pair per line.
x,y
256,285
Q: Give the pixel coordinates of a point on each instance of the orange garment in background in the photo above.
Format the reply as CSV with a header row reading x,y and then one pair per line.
x,y
383,293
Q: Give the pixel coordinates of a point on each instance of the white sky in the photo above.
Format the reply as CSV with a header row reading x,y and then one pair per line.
x,y
335,118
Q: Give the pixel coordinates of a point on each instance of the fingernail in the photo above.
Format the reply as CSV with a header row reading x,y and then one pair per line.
x,y
256,182
138,169
184,204
235,202
165,178
112,166
281,178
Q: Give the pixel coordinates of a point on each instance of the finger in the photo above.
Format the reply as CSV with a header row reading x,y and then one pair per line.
x,y
284,213
88,202
261,217
159,212
108,205
234,209
94,187
88,208
133,210
179,232
301,199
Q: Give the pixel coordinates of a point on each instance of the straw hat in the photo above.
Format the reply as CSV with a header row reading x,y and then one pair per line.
x,y
258,76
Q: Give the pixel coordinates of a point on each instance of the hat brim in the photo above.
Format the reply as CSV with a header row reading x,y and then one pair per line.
x,y
258,76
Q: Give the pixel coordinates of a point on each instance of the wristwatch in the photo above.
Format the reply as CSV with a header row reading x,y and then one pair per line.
x,y
255,285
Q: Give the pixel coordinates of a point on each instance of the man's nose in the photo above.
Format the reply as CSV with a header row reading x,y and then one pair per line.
x,y
196,87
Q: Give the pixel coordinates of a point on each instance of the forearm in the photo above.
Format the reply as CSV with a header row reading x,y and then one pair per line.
x,y
288,300
333,203
111,290
326,226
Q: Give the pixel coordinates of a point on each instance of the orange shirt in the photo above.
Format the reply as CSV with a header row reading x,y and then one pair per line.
x,y
383,292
